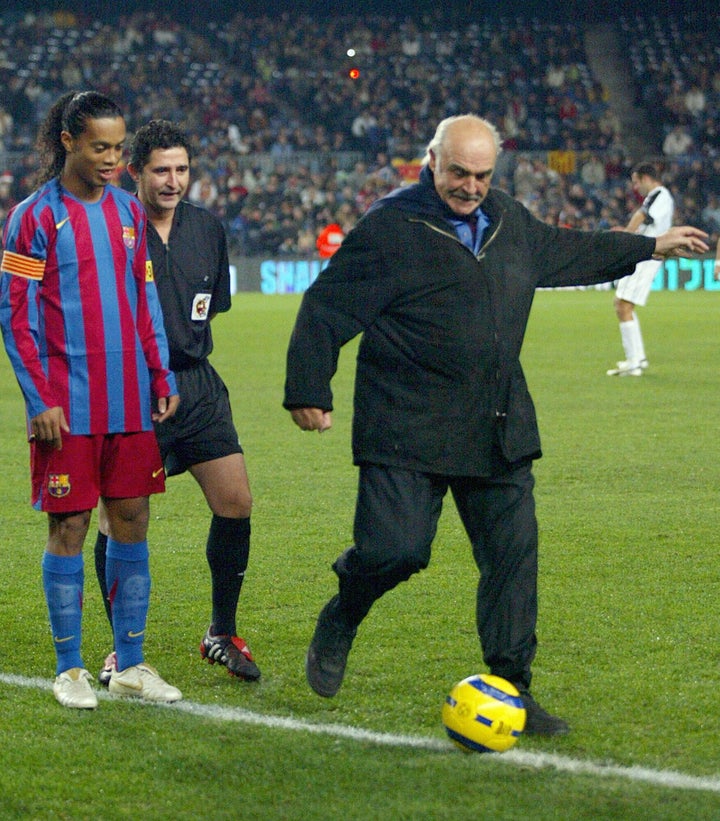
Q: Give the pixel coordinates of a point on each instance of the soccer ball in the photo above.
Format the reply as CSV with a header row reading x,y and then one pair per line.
x,y
484,714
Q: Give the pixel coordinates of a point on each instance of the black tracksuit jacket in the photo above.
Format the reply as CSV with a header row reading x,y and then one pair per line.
x,y
439,385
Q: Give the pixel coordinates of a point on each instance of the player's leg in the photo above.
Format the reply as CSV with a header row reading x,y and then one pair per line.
x,y
205,442
633,291
639,343
100,549
64,486
631,340
396,520
128,575
164,434
132,472
499,516
225,485
63,581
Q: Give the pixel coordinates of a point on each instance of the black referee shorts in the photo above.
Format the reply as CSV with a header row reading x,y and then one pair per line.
x,y
203,428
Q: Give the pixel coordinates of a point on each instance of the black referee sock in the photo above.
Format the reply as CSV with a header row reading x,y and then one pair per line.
x,y
227,551
100,562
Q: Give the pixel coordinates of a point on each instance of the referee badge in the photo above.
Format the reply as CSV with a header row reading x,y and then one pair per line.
x,y
201,306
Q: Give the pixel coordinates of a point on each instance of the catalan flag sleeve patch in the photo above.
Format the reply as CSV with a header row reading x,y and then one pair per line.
x,y
22,266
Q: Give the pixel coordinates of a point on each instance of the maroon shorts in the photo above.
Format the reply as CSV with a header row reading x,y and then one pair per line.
x,y
113,465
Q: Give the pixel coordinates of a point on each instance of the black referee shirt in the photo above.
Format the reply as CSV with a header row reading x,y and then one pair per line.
x,y
192,276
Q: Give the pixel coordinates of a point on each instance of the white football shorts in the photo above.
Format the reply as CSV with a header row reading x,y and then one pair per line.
x,y
635,288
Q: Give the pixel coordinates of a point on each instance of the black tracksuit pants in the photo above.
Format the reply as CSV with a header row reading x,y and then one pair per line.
x,y
395,523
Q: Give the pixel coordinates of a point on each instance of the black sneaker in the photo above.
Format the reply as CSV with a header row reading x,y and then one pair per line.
x,y
538,721
327,655
233,652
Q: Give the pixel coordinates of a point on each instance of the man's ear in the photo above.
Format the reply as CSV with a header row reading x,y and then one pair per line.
x,y
67,140
134,173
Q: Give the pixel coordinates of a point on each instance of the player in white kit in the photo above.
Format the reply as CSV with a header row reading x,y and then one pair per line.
x,y
652,218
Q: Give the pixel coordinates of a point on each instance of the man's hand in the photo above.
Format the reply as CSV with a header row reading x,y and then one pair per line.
x,y
167,405
680,241
48,426
312,419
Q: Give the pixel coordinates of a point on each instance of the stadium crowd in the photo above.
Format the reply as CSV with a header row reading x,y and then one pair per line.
x,y
287,142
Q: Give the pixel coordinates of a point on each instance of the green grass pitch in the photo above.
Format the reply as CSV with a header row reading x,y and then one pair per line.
x,y
628,509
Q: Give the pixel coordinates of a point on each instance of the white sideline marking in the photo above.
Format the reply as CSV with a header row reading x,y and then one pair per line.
x,y
659,778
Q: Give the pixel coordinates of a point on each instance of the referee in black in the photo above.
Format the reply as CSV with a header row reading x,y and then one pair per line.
x,y
188,249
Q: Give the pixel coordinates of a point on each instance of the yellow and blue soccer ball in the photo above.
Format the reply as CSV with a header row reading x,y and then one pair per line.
x,y
484,714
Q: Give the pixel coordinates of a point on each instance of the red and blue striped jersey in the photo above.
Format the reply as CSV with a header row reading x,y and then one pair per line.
x,y
79,311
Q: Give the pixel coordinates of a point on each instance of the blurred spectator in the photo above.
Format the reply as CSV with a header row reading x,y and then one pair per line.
x,y
7,197
6,127
203,192
678,141
282,148
711,214
695,101
593,173
268,102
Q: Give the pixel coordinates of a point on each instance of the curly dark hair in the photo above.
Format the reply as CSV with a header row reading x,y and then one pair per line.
x,y
156,134
69,113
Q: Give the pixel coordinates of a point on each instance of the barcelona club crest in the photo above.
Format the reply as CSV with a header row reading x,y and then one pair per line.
x,y
128,236
59,484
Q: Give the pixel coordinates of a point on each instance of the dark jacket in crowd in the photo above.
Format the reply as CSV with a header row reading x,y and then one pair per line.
x,y
439,385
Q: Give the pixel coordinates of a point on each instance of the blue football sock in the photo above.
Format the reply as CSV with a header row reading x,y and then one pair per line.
x,y
128,582
63,578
